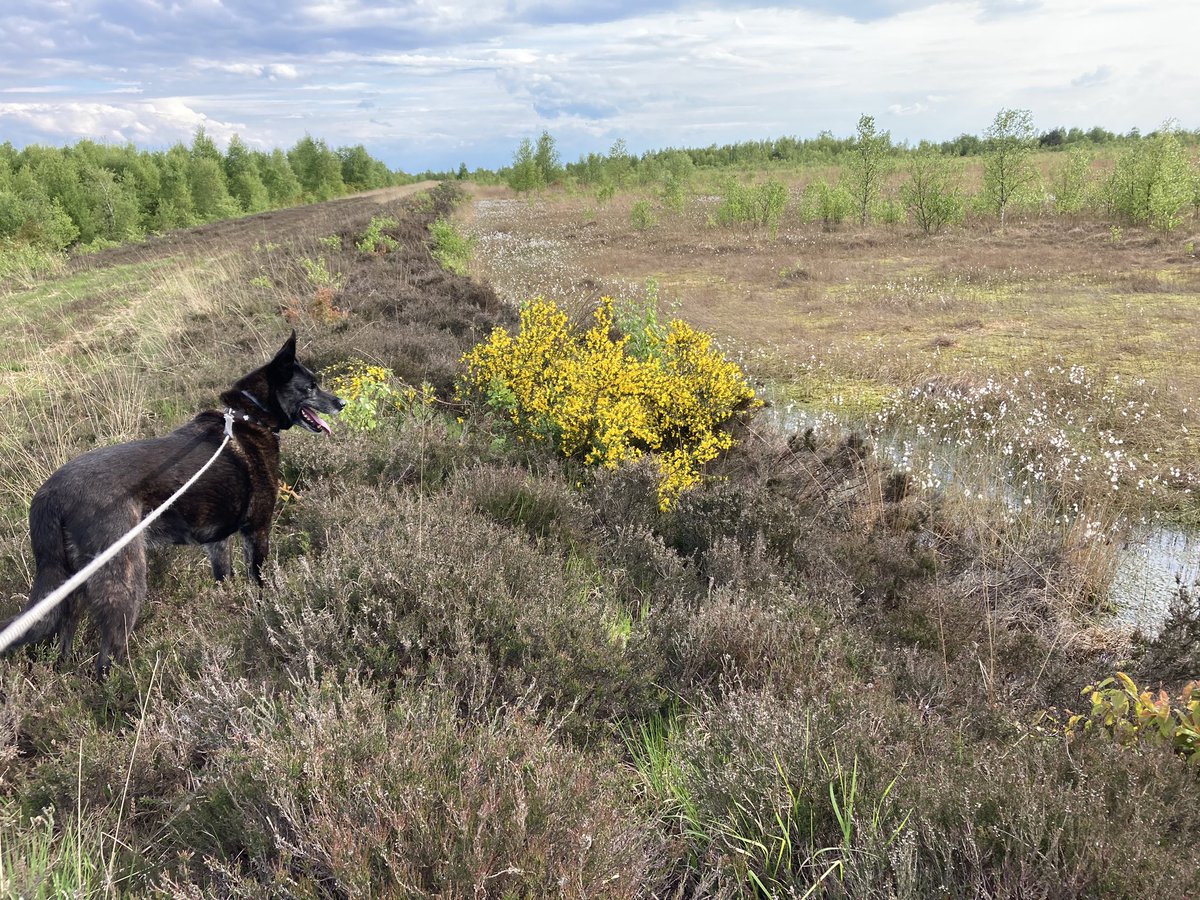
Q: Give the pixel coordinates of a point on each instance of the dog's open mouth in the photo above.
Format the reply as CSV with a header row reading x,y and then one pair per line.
x,y
312,421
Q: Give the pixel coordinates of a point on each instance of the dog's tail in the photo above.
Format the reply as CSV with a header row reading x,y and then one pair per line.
x,y
53,568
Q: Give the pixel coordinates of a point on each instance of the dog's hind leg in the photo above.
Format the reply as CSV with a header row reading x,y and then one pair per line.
x,y
116,595
52,556
66,634
218,555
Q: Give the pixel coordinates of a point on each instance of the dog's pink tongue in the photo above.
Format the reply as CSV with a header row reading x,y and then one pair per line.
x,y
316,419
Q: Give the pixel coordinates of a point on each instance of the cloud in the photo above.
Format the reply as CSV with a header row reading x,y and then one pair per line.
x,y
1099,75
37,89
156,122
270,71
477,75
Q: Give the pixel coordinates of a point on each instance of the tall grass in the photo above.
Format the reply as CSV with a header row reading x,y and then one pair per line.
x,y
42,862
23,265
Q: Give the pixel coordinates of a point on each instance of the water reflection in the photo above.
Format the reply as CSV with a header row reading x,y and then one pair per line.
x,y
1153,559
1147,571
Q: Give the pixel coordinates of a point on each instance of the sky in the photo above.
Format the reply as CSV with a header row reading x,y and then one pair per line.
x,y
430,84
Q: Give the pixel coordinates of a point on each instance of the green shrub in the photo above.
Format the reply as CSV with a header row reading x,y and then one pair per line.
x,y
451,248
1009,178
1073,182
675,186
828,204
605,191
755,204
1153,182
932,193
22,263
371,394
1132,715
637,319
641,216
890,212
318,274
374,240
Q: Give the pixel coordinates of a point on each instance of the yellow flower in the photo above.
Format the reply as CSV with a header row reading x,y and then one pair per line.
x,y
592,399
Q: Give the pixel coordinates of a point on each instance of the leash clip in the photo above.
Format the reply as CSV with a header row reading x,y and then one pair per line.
x,y
228,422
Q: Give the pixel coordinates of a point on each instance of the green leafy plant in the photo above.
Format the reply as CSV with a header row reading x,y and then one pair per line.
x,y
641,216
1073,182
1152,182
1008,172
829,204
451,248
317,272
1132,715
374,240
868,167
373,393
637,319
332,242
932,193
755,204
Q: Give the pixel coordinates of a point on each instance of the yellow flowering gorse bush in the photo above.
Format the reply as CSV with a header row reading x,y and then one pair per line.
x,y
584,393
372,392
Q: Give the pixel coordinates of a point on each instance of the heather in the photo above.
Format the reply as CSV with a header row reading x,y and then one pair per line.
x,y
482,666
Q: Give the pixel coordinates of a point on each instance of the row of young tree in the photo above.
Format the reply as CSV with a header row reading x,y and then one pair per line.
x,y
91,194
1152,179
826,149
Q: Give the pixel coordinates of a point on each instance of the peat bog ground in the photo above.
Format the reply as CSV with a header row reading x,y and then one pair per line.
x,y
479,670
1047,370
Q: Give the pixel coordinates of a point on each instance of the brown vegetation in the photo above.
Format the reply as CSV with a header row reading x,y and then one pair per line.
x,y
479,671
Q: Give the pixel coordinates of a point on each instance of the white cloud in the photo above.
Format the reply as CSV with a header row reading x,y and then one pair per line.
x,y
484,74
270,71
36,89
161,121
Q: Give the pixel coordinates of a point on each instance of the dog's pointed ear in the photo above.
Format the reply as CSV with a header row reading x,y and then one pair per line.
x,y
286,357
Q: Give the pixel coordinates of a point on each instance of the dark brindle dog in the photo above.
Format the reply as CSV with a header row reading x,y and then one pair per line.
x,y
94,499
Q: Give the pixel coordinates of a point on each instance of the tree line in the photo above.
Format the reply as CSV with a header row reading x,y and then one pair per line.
x,y
91,194
1149,179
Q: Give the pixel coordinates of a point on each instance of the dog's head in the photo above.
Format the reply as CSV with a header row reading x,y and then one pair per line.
x,y
285,391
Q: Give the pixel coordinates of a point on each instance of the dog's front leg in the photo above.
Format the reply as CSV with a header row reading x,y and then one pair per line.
x,y
254,545
218,555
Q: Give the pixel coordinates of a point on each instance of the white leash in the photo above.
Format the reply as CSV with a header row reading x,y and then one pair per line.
x,y
25,621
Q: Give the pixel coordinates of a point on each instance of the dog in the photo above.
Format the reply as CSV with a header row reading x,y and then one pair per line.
x,y
95,498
